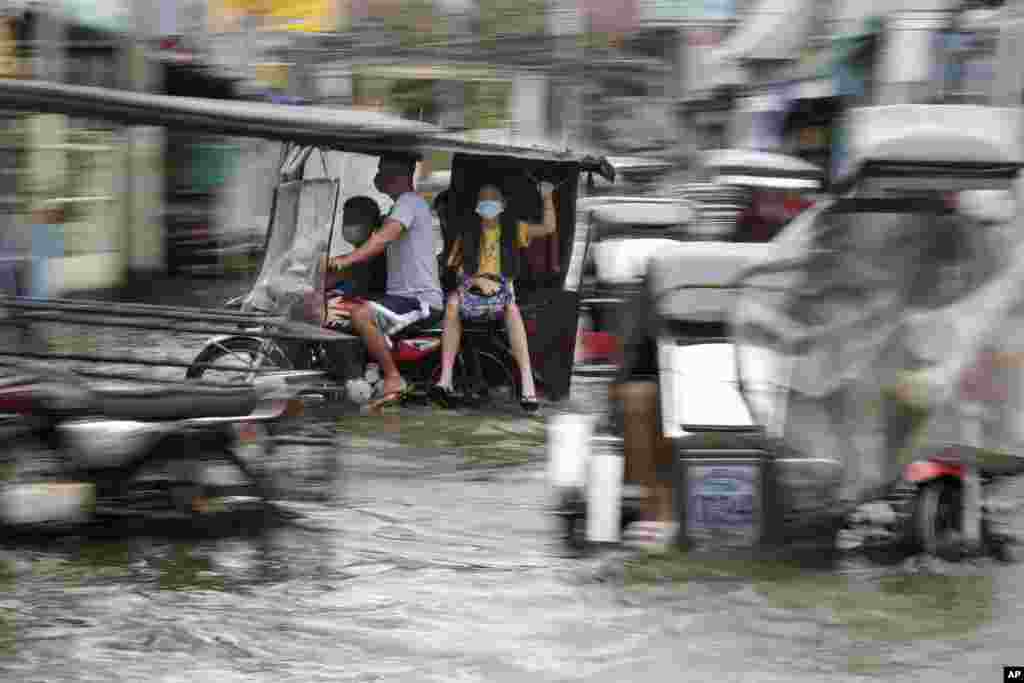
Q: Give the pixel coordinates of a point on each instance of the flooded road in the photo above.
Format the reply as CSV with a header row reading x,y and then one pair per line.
x,y
435,559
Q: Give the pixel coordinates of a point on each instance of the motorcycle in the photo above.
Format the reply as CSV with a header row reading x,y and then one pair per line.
x,y
292,283
79,453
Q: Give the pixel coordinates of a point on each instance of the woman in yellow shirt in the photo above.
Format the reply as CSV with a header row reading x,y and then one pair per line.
x,y
487,257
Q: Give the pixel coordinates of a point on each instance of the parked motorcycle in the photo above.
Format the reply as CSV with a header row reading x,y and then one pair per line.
x,y
292,281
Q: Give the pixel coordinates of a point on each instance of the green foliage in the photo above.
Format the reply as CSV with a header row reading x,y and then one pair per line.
x,y
417,23
487,104
512,17
414,99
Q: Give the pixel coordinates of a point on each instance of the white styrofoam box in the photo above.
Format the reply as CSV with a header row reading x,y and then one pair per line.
x,y
625,260
699,387
941,133
688,279
755,162
677,212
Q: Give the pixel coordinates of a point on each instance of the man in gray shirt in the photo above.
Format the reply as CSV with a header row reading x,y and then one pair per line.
x,y
408,236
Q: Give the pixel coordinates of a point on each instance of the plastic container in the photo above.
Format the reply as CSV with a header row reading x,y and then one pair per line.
x,y
39,503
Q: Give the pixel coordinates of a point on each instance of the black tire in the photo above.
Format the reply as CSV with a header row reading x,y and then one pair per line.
x,y
937,517
572,512
126,483
500,382
248,350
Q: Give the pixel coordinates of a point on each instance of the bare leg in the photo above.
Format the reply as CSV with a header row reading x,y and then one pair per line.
x,y
520,348
377,347
450,340
646,449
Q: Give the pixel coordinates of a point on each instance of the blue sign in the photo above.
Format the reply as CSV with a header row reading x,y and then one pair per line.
x,y
724,500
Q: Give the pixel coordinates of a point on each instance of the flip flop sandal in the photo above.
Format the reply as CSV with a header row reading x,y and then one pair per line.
x,y
392,398
442,396
529,404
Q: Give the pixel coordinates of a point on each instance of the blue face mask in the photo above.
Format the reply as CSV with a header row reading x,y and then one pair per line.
x,y
490,208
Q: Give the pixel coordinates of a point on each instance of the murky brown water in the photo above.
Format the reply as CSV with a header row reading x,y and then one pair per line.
x,y
436,559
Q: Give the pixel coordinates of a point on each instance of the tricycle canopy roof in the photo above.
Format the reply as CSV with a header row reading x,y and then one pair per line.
x,y
640,166
645,213
753,168
935,147
340,129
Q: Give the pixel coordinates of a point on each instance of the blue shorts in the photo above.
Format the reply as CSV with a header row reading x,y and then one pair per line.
x,y
399,305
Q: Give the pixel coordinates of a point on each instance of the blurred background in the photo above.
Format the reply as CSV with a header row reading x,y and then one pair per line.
x,y
640,78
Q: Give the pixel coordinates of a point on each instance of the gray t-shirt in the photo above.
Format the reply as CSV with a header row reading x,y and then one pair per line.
x,y
412,263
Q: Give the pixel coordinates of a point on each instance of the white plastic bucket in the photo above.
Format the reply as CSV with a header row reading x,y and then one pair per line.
x,y
46,502
604,497
568,446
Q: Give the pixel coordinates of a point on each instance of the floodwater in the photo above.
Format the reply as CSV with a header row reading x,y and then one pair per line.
x,y
433,557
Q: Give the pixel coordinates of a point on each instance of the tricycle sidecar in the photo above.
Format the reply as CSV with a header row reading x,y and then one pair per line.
x,y
821,329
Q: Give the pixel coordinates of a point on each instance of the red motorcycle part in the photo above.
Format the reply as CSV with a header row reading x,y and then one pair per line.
x,y
16,400
415,349
598,346
929,470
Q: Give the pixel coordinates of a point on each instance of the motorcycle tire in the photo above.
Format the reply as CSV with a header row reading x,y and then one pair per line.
x,y
236,347
937,518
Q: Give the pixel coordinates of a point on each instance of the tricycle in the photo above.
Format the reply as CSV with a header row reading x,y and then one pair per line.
x,y
846,385
626,231
301,231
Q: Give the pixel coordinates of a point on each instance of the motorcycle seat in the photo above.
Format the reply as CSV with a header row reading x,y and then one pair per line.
x,y
431,325
168,404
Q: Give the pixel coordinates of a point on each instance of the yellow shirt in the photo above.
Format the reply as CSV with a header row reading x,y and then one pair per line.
x,y
490,249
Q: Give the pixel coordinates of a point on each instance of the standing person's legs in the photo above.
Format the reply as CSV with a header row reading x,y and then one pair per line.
x,y
646,449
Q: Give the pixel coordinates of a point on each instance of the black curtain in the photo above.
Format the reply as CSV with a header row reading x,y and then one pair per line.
x,y
182,80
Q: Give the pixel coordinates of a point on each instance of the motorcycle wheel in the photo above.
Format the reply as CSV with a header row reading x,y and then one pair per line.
x,y
488,379
247,353
494,380
572,511
937,518
161,480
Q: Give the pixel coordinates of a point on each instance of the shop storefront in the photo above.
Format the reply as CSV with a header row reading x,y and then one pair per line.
x,y
197,170
71,177
822,86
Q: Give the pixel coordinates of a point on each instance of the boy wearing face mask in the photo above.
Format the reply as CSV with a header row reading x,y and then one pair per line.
x,y
361,217
486,255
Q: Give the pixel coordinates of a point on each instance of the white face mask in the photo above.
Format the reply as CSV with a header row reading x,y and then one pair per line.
x,y
356,234
490,208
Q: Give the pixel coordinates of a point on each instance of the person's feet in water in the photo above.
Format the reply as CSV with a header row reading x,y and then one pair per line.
x,y
394,392
442,395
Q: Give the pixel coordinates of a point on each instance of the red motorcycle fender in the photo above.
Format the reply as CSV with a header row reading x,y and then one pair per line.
x,y
929,470
415,350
